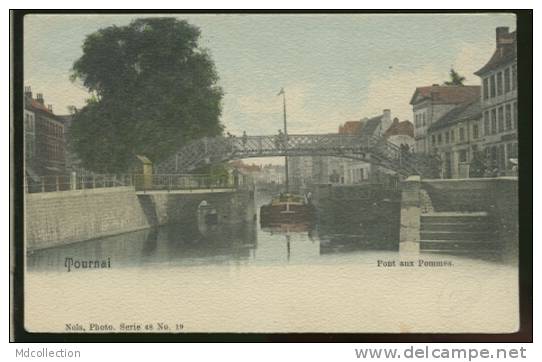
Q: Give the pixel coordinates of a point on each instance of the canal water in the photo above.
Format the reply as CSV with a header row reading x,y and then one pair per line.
x,y
244,278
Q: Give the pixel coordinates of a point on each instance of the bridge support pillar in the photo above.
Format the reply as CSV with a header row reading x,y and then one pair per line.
x,y
409,239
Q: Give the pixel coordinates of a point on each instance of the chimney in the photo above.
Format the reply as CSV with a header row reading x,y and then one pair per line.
x,y
387,114
39,98
28,92
502,36
50,108
386,120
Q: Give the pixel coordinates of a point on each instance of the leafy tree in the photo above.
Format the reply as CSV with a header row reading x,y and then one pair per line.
x,y
455,78
153,88
478,166
217,173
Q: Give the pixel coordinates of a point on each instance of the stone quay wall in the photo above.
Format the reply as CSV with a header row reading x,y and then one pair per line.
x,y
58,218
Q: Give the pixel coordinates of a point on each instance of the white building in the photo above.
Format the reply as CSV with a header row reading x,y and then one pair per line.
x,y
499,102
456,137
432,102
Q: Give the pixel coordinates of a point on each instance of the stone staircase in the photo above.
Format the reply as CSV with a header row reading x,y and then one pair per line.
x,y
426,206
457,232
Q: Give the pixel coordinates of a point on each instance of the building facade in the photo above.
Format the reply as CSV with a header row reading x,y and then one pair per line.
x,y
45,145
432,102
339,170
270,174
401,134
499,103
300,170
456,137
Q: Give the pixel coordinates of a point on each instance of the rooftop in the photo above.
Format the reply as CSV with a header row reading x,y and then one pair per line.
x,y
466,111
351,127
371,125
446,94
505,51
400,128
36,105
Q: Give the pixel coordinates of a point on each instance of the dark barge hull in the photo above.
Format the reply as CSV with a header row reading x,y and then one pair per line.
x,y
280,214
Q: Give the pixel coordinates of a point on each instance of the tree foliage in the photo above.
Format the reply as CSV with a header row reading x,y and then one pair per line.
x,y
478,165
455,78
153,89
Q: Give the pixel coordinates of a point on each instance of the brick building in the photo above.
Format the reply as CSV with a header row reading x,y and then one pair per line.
x,y
43,137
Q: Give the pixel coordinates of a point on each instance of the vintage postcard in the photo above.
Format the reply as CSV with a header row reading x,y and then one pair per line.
x,y
270,173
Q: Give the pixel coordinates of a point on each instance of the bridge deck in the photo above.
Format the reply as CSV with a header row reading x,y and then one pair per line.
x,y
371,149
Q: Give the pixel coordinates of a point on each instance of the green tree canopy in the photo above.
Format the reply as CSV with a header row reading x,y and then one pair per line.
x,y
455,78
153,89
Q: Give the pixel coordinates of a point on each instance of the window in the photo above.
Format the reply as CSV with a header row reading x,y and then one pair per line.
x,y
493,121
475,131
461,134
433,139
515,115
499,83
507,80
514,76
502,157
508,116
452,135
439,138
501,119
463,156
508,151
447,137
514,152
486,123
486,88
493,156
423,119
492,83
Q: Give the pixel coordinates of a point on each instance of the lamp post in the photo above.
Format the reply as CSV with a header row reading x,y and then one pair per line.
x,y
283,93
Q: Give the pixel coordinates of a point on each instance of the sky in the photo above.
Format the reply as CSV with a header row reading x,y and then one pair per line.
x,y
334,68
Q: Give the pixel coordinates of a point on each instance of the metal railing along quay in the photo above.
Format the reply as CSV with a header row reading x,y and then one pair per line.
x,y
53,183
141,182
172,182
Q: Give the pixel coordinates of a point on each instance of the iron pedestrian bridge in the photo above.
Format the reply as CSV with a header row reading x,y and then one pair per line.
x,y
374,150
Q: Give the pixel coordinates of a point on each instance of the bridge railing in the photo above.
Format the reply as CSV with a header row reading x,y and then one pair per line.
x,y
220,149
